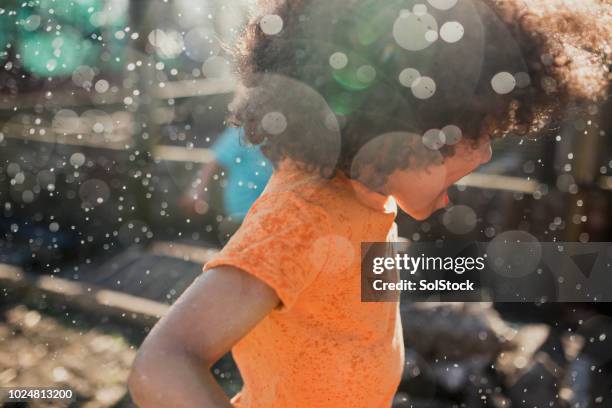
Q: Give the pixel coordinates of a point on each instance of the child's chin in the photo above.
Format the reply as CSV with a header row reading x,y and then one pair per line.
x,y
422,215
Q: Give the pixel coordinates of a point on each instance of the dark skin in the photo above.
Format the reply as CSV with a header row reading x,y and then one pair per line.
x,y
172,368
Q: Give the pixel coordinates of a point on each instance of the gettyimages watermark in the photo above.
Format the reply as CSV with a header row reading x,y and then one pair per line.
x,y
499,271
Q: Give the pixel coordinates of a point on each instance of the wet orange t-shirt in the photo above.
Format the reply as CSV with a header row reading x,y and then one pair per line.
x,y
322,347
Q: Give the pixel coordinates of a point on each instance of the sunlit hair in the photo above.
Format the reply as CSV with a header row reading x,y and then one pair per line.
x,y
555,54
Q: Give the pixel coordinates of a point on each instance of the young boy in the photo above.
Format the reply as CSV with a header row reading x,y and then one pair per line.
x,y
360,104
247,172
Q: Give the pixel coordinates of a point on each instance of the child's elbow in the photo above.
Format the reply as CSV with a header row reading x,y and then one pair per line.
x,y
137,382
157,371
144,378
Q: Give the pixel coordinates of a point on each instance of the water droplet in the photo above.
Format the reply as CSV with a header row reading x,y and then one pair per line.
x,y
452,134
423,88
434,139
503,83
442,4
338,60
408,76
366,73
102,86
274,123
459,219
77,159
271,24
522,79
410,30
451,31
216,67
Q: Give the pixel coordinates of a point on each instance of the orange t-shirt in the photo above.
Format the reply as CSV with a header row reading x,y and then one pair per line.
x,y
323,347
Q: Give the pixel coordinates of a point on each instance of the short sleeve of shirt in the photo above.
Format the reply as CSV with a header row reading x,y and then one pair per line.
x,y
227,146
275,244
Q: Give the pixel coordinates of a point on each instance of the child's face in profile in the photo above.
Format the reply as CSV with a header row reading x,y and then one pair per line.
x,y
421,192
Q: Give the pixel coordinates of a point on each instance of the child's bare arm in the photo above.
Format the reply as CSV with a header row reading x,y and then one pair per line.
x,y
172,368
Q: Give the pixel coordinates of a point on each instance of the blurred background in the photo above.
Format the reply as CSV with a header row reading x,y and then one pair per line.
x,y
119,179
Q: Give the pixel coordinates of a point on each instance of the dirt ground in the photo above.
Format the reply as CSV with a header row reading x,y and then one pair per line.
x,y
64,352
61,348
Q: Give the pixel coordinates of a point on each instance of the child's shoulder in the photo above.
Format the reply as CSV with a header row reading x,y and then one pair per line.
x,y
293,187
287,206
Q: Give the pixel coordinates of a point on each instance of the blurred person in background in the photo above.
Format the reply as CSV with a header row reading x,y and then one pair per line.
x,y
244,172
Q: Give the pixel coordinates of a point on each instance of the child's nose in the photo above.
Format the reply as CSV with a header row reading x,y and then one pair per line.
x,y
485,150
486,154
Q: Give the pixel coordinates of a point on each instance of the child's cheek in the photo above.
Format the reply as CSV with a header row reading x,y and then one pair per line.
x,y
419,193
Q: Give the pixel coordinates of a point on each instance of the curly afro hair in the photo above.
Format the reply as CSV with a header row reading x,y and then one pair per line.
x,y
324,78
